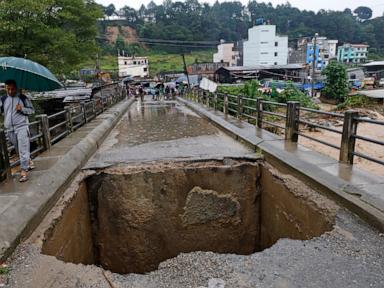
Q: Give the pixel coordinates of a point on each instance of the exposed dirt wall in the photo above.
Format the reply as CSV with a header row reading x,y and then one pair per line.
x,y
290,209
147,217
70,239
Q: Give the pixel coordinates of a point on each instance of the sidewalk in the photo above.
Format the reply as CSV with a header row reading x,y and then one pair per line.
x,y
357,190
23,205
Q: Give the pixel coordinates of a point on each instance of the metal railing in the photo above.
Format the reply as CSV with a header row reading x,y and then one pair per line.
x,y
46,130
290,119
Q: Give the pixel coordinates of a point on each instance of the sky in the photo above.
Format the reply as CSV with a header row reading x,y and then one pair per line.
x,y
376,5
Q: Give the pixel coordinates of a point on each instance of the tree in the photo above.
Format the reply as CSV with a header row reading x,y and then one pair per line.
x,y
336,85
363,13
110,10
59,34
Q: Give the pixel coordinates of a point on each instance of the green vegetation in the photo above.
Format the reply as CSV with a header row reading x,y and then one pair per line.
x,y
157,61
174,62
4,270
59,34
193,21
355,101
336,84
250,89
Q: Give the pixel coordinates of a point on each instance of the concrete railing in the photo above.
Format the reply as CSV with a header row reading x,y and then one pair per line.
x,y
287,117
47,130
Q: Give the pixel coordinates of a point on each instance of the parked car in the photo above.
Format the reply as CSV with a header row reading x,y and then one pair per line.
x,y
381,82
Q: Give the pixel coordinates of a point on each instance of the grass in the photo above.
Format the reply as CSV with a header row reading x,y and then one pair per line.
x,y
158,62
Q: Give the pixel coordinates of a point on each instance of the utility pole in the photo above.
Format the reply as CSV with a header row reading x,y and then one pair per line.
x,y
186,71
314,65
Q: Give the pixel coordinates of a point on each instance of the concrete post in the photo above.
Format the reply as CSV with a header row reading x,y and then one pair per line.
x,y
84,111
259,111
292,121
239,106
4,158
68,117
207,100
45,131
94,108
225,104
215,101
347,140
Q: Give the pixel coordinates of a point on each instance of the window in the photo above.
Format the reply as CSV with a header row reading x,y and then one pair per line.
x,y
125,63
276,54
263,42
275,63
264,53
134,62
276,44
145,69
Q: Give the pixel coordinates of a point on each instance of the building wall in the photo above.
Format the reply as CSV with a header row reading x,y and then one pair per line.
x,y
349,53
264,47
226,54
133,66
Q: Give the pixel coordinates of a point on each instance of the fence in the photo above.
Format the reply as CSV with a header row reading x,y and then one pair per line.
x,y
47,130
290,119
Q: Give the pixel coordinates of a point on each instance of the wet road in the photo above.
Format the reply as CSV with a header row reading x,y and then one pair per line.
x,y
155,131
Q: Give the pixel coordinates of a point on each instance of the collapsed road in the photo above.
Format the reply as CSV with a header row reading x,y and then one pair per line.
x,y
169,200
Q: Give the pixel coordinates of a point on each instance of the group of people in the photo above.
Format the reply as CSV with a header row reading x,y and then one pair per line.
x,y
160,91
16,108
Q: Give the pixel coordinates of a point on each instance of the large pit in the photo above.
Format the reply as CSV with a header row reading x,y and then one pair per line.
x,y
129,219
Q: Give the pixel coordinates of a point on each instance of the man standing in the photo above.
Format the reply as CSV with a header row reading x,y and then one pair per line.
x,y
16,108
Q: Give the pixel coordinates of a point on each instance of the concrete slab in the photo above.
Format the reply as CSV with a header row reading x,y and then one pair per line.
x,y
162,132
23,205
352,174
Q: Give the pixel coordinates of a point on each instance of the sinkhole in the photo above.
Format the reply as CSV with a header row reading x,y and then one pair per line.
x,y
130,219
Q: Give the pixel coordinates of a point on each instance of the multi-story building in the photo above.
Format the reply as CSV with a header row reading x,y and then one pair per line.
x,y
226,53
133,66
325,51
353,53
264,47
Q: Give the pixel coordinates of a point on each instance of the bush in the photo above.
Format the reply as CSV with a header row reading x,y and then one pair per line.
x,y
354,102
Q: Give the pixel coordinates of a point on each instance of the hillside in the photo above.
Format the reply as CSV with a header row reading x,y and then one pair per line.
x,y
230,20
157,61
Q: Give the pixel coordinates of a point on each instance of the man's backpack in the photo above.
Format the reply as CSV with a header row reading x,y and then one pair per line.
x,y
22,97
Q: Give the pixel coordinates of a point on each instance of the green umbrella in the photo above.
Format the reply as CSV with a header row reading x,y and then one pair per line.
x,y
28,75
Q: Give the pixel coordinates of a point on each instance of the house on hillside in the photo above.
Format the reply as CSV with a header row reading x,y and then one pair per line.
x,y
264,47
352,53
133,66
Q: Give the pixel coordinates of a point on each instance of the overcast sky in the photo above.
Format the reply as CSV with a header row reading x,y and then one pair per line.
x,y
376,5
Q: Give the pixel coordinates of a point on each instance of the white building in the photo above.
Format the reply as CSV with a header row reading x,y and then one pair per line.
x,y
264,47
133,66
226,53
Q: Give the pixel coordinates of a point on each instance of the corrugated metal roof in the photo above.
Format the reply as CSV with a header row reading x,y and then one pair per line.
x,y
374,63
263,67
378,93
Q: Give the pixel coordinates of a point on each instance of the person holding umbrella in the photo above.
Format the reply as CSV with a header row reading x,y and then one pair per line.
x,y
16,108
30,76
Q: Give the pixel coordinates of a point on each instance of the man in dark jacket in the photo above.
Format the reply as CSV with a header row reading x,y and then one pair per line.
x,y
16,108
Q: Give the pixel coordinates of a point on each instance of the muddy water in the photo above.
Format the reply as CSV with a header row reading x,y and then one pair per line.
x,y
156,131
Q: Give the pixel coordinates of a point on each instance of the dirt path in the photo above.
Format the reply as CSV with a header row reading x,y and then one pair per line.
x,y
364,129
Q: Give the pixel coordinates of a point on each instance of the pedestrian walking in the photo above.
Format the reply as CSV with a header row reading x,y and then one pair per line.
x,y
16,108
